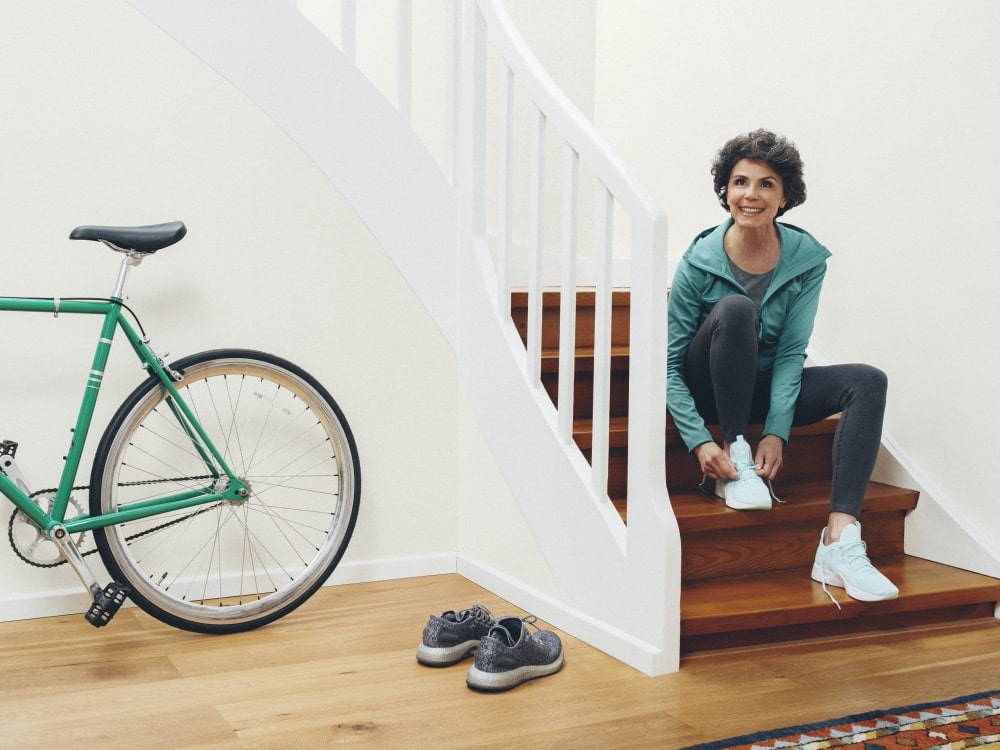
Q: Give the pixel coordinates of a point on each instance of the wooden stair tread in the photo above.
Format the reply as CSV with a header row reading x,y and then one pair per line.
x,y
584,359
583,429
697,512
792,597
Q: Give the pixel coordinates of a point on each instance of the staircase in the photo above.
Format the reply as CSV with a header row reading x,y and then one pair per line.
x,y
745,576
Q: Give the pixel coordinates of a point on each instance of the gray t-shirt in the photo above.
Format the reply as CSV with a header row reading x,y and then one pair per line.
x,y
755,283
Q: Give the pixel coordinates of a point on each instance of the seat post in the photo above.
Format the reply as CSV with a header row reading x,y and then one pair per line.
x,y
127,262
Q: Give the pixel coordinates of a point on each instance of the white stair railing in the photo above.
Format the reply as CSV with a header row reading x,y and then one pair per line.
x,y
621,204
541,234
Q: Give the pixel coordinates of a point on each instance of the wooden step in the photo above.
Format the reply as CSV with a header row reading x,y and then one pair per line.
x,y
807,455
788,605
720,542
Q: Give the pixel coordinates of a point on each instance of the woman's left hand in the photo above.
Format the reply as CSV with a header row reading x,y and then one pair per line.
x,y
768,458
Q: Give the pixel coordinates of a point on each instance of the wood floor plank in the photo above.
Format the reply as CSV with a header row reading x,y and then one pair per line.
x,y
342,670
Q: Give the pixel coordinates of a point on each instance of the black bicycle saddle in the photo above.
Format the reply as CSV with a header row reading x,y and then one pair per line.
x,y
146,239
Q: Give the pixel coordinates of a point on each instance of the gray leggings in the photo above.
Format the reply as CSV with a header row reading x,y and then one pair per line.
x,y
720,368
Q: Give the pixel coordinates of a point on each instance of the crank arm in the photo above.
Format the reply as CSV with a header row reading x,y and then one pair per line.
x,y
64,541
9,467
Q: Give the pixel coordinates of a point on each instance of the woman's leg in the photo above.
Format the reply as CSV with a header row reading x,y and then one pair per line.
x,y
721,369
721,365
858,394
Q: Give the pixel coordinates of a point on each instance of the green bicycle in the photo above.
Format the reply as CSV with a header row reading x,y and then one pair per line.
x,y
224,490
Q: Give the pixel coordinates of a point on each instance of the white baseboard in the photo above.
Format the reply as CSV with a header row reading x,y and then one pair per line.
x,y
618,644
75,600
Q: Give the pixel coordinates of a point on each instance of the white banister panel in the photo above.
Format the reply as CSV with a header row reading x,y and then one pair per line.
x,y
543,236
401,53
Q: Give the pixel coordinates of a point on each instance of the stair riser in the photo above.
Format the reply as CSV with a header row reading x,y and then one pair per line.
x,y
810,457
756,631
585,317
583,393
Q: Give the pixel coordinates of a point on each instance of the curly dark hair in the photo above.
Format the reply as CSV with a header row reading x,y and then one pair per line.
x,y
762,145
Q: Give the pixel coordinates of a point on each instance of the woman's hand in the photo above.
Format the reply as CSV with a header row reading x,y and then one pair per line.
x,y
715,464
768,458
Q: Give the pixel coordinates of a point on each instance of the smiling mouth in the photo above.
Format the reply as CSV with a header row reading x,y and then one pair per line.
x,y
751,211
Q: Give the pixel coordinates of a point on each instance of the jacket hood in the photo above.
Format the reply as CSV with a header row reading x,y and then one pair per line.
x,y
800,252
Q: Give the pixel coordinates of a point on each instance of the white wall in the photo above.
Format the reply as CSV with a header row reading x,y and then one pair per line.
x,y
894,106
108,120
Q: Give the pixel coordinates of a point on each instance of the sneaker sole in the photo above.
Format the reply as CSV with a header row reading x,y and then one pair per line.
x,y
834,579
437,656
720,492
740,506
497,682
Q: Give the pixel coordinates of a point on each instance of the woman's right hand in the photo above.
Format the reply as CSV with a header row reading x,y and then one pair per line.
x,y
715,464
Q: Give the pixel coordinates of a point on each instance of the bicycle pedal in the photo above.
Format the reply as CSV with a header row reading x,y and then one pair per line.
x,y
107,604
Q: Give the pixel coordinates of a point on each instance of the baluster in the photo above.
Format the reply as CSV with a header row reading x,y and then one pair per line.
x,y
506,191
535,249
602,342
567,304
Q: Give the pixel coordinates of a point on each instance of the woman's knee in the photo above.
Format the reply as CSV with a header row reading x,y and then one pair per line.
x,y
735,310
870,383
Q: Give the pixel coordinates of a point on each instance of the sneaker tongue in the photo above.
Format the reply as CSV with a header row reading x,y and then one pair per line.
x,y
507,631
851,534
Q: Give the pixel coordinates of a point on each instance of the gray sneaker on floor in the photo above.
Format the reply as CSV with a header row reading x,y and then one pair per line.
x,y
452,636
509,655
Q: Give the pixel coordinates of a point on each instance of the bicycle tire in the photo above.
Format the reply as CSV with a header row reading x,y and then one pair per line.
x,y
229,567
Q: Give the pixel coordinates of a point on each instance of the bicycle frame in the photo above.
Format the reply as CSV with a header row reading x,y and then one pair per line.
x,y
224,485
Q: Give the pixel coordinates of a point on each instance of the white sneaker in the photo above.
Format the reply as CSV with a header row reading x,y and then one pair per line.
x,y
749,491
846,564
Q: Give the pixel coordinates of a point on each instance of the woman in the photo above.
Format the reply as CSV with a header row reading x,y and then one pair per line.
x,y
741,312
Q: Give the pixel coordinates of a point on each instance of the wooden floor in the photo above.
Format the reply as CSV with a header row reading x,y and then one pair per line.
x,y
342,671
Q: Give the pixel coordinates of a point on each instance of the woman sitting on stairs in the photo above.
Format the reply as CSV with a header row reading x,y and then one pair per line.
x,y
741,311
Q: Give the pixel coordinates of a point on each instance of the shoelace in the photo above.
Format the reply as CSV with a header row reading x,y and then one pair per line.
x,y
480,614
503,635
855,553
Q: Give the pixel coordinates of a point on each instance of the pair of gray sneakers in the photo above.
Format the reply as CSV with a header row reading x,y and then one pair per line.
x,y
506,652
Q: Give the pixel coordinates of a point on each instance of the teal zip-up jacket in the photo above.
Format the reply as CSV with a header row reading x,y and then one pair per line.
x,y
785,322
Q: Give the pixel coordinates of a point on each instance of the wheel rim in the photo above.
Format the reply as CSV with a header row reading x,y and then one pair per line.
x,y
232,563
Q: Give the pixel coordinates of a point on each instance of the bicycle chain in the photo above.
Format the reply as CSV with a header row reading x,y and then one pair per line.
x,y
10,525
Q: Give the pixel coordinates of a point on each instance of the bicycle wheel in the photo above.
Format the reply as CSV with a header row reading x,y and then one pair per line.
x,y
226,567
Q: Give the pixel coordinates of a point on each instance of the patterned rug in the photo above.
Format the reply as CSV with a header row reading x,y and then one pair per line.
x,y
970,721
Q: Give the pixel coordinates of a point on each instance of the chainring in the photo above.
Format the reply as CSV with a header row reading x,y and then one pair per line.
x,y
28,541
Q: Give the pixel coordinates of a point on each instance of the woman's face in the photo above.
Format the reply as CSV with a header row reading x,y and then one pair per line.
x,y
755,194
